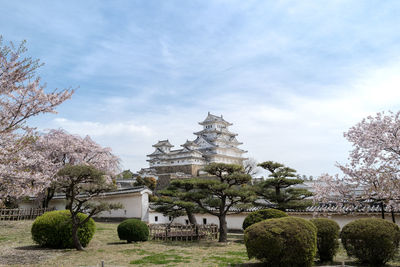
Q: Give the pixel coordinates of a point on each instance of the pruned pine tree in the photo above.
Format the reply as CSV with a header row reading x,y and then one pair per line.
x,y
174,201
225,192
278,189
82,185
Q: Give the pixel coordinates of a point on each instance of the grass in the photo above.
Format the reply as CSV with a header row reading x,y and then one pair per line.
x,y
17,248
161,258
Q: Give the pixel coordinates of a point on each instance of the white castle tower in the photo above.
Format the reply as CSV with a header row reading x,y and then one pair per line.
x,y
215,143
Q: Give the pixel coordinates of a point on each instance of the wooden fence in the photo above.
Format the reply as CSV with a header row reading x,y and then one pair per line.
x,y
181,232
21,214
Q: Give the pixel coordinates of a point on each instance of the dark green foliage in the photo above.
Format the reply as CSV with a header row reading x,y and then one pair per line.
x,y
81,185
54,230
150,182
327,238
277,189
372,241
226,190
261,215
174,201
287,241
133,230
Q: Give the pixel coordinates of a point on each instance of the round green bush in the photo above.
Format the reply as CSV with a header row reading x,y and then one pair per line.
x,y
133,230
372,241
287,241
327,238
54,230
261,215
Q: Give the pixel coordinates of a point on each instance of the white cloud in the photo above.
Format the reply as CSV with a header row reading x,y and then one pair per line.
x,y
103,129
304,132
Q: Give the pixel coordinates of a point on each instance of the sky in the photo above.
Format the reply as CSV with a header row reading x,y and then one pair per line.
x,y
292,76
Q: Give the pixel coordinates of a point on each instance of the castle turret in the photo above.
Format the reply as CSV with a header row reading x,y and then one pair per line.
x,y
163,145
217,143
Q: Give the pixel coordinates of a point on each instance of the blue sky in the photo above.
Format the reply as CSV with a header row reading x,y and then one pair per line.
x,y
291,76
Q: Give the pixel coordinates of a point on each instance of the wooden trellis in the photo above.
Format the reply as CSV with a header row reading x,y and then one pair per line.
x,y
21,214
181,232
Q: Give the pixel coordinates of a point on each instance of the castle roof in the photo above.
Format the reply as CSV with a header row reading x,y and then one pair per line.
x,y
156,152
213,118
163,143
189,143
226,132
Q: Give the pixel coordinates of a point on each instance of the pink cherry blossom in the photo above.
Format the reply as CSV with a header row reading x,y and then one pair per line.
x,y
22,169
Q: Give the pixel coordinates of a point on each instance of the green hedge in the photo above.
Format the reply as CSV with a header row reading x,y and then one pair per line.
x,y
372,241
133,230
54,230
260,215
327,238
287,241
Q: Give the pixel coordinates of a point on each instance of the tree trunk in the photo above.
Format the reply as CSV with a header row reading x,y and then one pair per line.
x,y
382,210
223,229
393,217
191,217
49,196
77,244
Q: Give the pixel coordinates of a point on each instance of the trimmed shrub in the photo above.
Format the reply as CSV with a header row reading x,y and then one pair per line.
x,y
287,241
372,241
327,238
133,230
54,230
261,215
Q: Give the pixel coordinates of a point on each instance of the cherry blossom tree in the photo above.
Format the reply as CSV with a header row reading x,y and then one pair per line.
x,y
374,162
60,148
334,189
22,96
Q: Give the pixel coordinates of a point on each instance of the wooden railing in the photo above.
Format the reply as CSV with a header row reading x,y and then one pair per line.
x,y
21,214
183,232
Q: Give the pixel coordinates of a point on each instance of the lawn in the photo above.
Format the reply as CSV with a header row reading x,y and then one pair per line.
x,y
17,248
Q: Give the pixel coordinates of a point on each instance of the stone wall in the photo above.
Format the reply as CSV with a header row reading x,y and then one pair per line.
x,y
167,173
192,170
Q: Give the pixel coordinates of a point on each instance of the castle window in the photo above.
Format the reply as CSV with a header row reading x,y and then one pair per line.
x,y
156,218
187,221
204,220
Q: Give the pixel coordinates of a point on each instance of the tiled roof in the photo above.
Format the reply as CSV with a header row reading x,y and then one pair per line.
x,y
213,118
135,189
163,143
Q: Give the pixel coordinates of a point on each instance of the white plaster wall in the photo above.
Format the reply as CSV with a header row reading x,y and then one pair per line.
x,y
27,205
160,218
132,206
58,204
136,205
145,207
343,219
235,221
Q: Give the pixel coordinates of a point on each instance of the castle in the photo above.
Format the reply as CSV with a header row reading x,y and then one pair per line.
x,y
215,143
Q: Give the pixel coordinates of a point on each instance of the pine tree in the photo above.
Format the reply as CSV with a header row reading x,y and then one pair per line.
x,y
174,201
225,192
278,189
